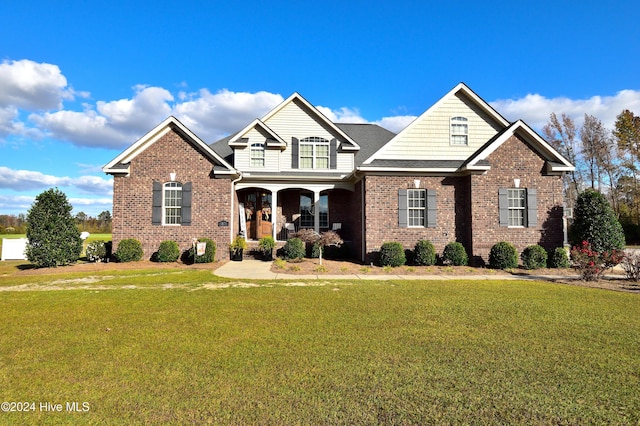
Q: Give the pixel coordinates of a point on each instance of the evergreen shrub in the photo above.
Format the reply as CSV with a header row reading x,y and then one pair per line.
x,y
209,252
503,255
559,258
129,250
455,254
534,257
392,254
424,253
168,252
294,249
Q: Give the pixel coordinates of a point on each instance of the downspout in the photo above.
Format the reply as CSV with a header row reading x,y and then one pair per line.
x,y
233,197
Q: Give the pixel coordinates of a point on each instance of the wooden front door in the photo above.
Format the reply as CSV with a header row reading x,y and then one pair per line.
x,y
258,214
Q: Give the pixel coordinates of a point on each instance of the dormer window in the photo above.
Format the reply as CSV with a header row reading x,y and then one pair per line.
x,y
257,155
314,153
459,131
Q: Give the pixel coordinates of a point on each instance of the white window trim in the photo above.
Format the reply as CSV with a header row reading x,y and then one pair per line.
x,y
423,209
456,123
522,208
255,149
164,203
314,142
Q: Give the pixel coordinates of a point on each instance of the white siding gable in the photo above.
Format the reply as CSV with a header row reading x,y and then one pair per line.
x,y
429,138
295,120
271,154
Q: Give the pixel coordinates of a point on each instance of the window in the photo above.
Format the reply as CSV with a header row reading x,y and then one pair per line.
x,y
517,205
417,208
314,153
172,203
307,210
417,205
257,155
459,131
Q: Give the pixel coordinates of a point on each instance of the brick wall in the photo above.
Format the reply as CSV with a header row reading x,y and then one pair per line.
x,y
515,159
132,198
381,217
467,206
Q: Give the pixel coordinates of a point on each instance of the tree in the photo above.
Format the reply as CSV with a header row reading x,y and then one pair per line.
x,y
596,223
562,136
327,238
53,238
627,134
81,218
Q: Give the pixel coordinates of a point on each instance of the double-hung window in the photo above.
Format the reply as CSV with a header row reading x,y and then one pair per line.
x,y
172,203
417,206
314,153
459,131
518,207
257,155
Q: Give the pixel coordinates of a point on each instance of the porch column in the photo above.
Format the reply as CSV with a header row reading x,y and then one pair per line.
x,y
274,213
316,211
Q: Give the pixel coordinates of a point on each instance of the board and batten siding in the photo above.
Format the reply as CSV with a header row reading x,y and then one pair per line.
x,y
429,139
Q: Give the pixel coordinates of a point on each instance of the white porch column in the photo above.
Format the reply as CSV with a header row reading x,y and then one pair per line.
x,y
274,213
316,211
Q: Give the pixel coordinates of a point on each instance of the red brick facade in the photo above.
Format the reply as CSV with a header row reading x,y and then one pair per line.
x,y
132,197
467,206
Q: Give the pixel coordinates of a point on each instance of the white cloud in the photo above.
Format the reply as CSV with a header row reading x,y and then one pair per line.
x,y
397,123
215,115
342,115
28,180
34,86
535,109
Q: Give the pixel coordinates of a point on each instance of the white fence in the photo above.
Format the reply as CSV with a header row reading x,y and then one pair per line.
x,y
14,248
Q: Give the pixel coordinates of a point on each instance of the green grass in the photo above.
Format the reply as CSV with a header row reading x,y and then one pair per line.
x,y
361,352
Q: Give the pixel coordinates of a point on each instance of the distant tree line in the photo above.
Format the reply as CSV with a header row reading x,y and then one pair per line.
x,y
17,224
606,160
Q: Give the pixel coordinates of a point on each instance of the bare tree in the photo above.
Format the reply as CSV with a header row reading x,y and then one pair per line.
x,y
327,238
627,134
562,136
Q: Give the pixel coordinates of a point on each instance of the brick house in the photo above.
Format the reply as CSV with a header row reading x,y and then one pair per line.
x,y
459,172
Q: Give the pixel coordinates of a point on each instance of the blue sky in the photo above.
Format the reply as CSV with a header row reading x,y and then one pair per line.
x,y
82,80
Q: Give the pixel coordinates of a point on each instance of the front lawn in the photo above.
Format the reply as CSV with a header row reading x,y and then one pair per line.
x,y
341,352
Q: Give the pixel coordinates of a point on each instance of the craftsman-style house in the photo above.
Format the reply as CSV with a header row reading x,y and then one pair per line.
x,y
459,172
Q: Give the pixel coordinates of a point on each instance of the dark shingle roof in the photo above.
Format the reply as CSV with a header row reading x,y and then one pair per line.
x,y
370,137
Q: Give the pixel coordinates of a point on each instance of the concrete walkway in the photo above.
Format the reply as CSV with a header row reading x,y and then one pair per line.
x,y
257,269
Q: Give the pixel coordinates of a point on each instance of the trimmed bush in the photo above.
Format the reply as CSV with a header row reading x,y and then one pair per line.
x,y
129,250
294,249
595,222
503,255
559,258
96,251
534,257
424,253
455,254
209,252
392,254
168,252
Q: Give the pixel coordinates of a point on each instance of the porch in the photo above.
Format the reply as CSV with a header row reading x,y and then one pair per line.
x,y
281,210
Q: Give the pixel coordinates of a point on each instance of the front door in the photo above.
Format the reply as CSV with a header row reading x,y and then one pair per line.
x,y
258,213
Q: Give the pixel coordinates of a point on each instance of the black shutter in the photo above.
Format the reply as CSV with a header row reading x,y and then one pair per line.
x,y
431,208
402,208
185,211
333,154
294,153
156,212
503,206
532,207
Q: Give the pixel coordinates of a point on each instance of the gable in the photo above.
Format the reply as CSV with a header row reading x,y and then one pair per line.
x,y
121,164
429,136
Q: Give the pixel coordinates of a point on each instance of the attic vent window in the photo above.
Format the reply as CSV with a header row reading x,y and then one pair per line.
x,y
459,131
